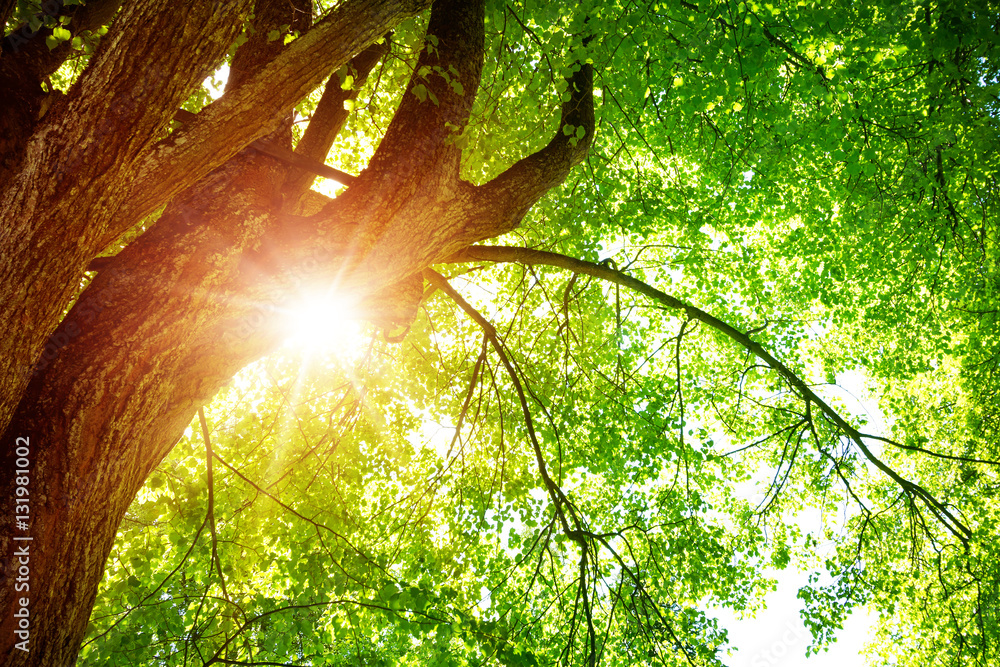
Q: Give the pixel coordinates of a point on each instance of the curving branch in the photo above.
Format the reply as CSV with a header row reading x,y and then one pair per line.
x,y
564,508
565,512
517,189
531,257
928,452
559,499
411,189
210,518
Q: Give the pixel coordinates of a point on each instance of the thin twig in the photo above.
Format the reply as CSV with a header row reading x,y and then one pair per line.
x,y
211,504
529,256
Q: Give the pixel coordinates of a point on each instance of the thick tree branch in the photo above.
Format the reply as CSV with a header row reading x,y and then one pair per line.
x,y
411,188
271,19
529,256
289,157
115,77
311,167
152,59
518,188
250,111
440,93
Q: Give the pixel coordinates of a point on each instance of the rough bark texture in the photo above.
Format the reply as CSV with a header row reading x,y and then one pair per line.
x,y
328,120
170,319
26,61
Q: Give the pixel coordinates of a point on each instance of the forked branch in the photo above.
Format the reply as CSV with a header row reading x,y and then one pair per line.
x,y
329,118
564,509
559,499
247,113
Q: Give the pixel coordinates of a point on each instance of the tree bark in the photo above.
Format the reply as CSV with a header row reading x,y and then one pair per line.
x,y
25,63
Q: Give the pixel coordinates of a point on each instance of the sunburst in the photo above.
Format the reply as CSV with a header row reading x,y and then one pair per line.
x,y
321,322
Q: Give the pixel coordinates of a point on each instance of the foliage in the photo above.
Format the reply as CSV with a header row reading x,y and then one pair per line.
x,y
823,176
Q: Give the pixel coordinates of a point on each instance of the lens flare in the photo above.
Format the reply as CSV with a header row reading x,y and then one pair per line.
x,y
323,322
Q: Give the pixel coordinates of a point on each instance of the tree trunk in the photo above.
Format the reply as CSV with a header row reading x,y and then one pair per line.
x,y
95,164
171,318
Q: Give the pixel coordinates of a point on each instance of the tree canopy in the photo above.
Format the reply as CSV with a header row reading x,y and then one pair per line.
x,y
390,332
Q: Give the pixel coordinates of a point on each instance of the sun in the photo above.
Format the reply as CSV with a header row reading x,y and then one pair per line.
x,y
323,322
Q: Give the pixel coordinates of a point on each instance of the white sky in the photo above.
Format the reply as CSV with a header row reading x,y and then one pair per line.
x,y
777,636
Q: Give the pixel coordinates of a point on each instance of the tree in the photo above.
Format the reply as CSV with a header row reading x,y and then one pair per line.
x,y
777,166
